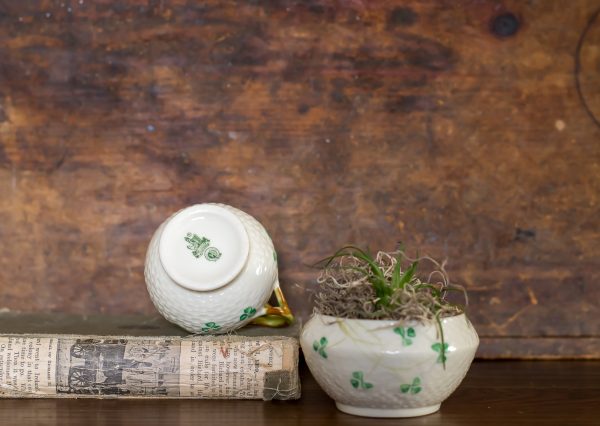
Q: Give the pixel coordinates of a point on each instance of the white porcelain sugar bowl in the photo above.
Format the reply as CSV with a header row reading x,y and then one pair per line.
x,y
211,268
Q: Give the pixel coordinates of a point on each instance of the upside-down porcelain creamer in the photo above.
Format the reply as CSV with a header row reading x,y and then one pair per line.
x,y
211,268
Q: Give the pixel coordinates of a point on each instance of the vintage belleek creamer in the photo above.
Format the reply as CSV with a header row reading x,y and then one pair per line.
x,y
211,268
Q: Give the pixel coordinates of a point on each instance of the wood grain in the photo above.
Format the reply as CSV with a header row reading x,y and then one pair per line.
x,y
493,393
467,129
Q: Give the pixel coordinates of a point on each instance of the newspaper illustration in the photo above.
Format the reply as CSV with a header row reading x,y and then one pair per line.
x,y
196,367
118,367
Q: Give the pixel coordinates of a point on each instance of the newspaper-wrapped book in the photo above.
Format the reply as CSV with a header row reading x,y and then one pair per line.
x,y
227,366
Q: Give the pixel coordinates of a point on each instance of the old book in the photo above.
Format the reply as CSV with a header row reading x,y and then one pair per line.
x,y
247,365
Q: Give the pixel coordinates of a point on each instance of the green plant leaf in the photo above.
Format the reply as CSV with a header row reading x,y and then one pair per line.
x,y
415,390
434,289
410,332
399,330
323,340
408,275
316,345
436,346
354,383
323,353
378,280
375,268
341,252
404,388
416,381
368,385
357,375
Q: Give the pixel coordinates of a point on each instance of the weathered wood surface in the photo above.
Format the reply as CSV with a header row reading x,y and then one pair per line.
x,y
469,129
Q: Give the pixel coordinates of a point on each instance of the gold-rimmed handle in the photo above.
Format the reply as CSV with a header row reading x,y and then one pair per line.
x,y
275,316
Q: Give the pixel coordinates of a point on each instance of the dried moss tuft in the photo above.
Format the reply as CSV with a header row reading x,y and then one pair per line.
x,y
353,284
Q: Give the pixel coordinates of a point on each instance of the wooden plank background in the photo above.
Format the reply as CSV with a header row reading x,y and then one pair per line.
x,y
467,128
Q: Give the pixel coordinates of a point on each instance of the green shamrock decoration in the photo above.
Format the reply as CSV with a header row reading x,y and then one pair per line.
x,y
210,326
406,334
319,347
441,350
413,388
357,381
248,313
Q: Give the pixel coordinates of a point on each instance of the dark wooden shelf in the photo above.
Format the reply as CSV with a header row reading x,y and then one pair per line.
x,y
493,393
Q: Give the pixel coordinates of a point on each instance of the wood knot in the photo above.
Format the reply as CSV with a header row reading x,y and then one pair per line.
x,y
402,17
505,25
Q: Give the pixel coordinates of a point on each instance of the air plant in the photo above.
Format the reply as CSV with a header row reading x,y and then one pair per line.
x,y
355,284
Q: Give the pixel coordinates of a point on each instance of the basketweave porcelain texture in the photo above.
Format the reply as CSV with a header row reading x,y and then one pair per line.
x,y
211,268
379,368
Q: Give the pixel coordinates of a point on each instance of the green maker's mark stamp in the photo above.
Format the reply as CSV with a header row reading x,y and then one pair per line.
x,y
200,246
